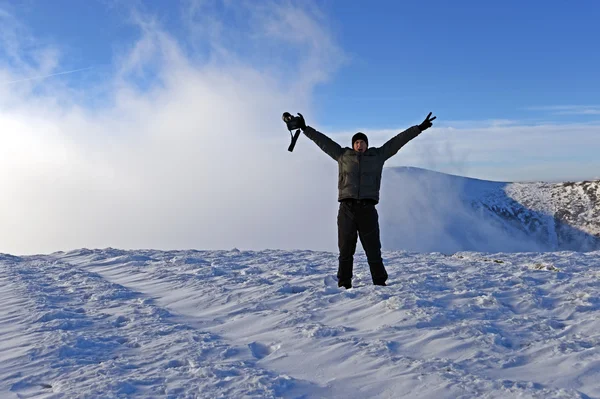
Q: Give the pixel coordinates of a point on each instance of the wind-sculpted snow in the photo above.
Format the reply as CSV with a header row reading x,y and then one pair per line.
x,y
209,324
78,335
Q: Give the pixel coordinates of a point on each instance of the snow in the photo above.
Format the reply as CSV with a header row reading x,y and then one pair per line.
x,y
426,211
493,293
259,324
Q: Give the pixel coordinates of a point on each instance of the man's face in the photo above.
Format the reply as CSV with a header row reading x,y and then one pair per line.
x,y
360,146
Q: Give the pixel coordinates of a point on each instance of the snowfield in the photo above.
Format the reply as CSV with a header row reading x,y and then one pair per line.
x,y
267,324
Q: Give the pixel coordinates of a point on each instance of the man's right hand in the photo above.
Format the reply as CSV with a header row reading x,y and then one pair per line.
x,y
294,122
301,122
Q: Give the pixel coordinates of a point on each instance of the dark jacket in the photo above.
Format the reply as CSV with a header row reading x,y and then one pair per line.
x,y
359,174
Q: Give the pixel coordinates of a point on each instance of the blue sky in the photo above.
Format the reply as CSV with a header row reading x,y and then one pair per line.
x,y
118,117
465,60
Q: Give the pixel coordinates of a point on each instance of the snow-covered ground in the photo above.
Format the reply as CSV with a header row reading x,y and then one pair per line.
x,y
236,324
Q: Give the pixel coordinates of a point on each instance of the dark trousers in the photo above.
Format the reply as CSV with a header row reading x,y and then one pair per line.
x,y
359,219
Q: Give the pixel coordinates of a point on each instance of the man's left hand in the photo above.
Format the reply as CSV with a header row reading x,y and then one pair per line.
x,y
426,124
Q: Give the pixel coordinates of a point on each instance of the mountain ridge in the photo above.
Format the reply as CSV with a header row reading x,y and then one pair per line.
x,y
428,211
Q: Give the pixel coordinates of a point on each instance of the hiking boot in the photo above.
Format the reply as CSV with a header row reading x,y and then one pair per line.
x,y
346,284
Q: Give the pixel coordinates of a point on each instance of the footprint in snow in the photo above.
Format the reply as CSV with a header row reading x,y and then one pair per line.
x,y
330,285
330,281
261,351
175,364
121,321
291,289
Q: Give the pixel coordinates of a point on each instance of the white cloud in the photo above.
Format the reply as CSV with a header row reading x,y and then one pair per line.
x,y
196,159
503,152
569,109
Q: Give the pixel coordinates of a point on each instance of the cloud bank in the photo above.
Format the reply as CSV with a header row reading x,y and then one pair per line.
x,y
182,153
504,150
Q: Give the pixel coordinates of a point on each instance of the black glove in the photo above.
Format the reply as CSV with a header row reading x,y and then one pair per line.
x,y
294,122
426,124
301,123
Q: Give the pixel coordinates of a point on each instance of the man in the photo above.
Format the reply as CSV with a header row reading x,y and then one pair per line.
x,y
359,180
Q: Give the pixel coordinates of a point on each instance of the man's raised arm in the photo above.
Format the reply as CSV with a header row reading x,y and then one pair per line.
x,y
394,144
330,147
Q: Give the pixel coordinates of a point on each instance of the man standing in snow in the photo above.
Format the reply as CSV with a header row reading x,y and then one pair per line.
x,y
359,180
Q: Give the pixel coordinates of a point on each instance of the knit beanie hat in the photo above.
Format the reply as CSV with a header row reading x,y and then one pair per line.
x,y
360,136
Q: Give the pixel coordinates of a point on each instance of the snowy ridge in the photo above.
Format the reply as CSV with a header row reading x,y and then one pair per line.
x,y
575,204
242,324
431,211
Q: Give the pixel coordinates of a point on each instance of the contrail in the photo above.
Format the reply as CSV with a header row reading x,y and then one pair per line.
x,y
45,76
